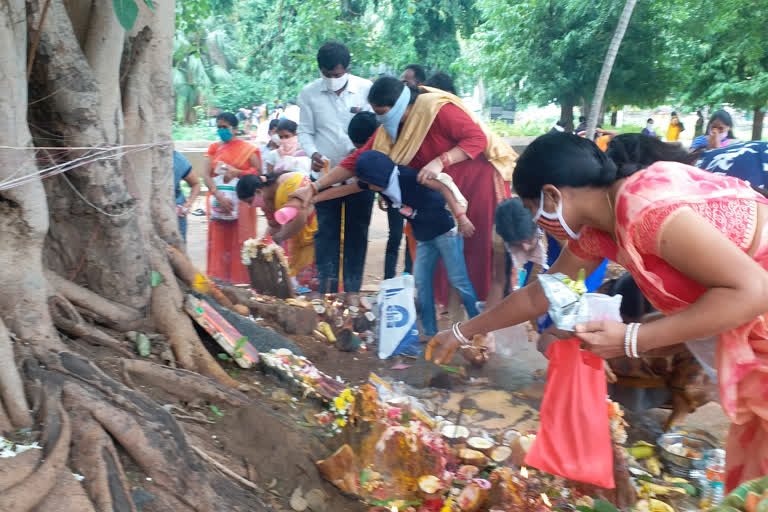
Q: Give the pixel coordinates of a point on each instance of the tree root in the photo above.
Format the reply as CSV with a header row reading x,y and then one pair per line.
x,y
170,319
67,319
27,494
11,386
224,469
187,386
188,273
94,456
109,313
147,432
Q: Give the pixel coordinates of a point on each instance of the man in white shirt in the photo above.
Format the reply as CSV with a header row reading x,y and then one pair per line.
x,y
326,107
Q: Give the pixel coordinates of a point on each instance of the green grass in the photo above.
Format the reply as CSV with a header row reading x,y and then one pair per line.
x,y
193,132
528,128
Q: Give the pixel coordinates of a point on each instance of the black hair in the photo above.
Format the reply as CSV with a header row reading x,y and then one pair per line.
x,y
674,114
562,160
725,118
361,127
386,90
419,73
331,54
634,151
582,119
560,123
649,120
250,183
442,81
288,125
514,222
273,124
634,305
229,117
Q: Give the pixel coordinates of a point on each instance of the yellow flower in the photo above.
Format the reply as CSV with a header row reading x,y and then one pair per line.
x,y
340,403
341,422
347,395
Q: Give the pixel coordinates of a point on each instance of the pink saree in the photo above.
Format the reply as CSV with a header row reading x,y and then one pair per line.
x,y
646,200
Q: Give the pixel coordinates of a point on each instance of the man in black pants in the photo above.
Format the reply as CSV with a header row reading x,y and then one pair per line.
x,y
361,128
327,106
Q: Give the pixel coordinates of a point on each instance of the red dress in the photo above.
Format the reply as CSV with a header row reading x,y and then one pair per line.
x,y
476,178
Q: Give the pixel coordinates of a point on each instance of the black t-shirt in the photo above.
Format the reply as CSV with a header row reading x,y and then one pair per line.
x,y
429,218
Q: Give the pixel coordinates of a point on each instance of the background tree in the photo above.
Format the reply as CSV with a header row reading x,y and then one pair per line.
x,y
605,72
545,51
725,56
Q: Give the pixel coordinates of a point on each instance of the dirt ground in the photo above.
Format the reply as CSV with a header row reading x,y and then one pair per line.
x,y
518,367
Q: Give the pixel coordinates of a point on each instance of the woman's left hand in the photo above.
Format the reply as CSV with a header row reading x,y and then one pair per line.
x,y
232,173
604,338
430,171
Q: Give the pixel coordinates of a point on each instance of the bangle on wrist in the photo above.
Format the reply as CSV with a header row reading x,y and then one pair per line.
x,y
463,341
445,160
630,340
315,187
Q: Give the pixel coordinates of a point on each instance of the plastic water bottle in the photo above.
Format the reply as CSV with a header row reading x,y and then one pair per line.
x,y
715,477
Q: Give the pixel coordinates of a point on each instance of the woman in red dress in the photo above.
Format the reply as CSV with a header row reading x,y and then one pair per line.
x,y
431,130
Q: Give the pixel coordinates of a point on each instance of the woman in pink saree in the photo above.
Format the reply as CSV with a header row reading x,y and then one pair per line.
x,y
696,245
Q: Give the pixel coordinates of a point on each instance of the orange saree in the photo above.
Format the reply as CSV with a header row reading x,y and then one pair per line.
x,y
225,238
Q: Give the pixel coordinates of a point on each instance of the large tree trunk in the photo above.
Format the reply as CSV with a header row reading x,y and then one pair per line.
x,y
85,242
566,114
757,123
605,72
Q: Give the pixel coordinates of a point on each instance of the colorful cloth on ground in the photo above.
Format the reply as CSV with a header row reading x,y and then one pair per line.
x,y
644,202
301,247
226,238
747,161
478,180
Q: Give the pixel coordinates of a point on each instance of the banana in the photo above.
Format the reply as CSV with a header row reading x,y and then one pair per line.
x,y
324,328
649,488
653,465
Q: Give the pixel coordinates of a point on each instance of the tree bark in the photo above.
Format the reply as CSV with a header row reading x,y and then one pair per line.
x,y
566,114
757,124
605,73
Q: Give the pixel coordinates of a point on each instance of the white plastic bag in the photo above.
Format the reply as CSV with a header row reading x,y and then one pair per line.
x,y
567,308
398,328
229,191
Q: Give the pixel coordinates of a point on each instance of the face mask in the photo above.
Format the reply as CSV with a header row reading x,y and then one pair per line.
x,y
257,201
275,139
335,84
289,146
649,126
225,134
391,120
553,223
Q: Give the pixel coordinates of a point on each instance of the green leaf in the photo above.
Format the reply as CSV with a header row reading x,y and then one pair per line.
x,y
240,343
126,11
364,476
604,506
582,508
155,278
691,490
223,356
150,4
216,410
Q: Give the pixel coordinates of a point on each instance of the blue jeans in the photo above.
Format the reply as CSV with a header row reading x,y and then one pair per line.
x,y
183,227
450,247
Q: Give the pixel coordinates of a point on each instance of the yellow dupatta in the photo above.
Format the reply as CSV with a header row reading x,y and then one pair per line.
x,y
420,119
301,247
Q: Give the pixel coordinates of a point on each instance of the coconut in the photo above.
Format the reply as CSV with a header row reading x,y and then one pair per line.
x,y
467,473
520,448
472,457
500,454
454,433
480,444
430,484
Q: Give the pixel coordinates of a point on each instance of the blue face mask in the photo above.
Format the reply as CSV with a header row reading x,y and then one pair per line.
x,y
391,120
225,134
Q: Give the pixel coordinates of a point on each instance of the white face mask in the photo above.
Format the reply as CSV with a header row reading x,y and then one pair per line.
x,y
554,223
335,84
649,126
276,139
